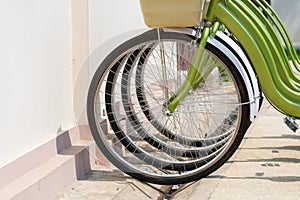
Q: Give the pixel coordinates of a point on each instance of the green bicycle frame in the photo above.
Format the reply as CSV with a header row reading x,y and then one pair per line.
x,y
256,26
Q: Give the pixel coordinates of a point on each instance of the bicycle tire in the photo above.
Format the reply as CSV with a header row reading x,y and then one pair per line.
x,y
161,176
132,116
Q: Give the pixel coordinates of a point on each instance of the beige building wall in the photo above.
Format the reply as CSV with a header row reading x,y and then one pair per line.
x,y
35,74
44,44
108,23
80,34
110,18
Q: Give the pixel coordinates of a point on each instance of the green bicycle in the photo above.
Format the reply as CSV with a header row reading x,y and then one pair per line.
x,y
179,100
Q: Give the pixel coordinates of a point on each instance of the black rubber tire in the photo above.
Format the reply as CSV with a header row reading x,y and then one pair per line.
x,y
131,170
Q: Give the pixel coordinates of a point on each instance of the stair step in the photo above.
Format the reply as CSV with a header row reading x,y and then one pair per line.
x,y
49,178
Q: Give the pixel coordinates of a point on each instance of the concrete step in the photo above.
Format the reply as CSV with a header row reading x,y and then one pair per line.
x,y
50,177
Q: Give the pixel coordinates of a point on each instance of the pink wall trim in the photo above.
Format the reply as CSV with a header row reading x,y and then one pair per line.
x,y
79,136
36,157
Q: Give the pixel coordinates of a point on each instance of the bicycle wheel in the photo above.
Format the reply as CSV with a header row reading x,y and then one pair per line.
x,y
185,54
141,56
214,113
148,133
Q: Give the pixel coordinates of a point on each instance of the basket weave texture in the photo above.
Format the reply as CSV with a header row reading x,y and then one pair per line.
x,y
172,13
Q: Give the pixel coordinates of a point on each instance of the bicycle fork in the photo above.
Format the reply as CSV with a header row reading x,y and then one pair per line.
x,y
196,74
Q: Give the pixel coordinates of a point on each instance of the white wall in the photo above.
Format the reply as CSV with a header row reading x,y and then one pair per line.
x,y
109,23
288,11
36,63
35,74
109,18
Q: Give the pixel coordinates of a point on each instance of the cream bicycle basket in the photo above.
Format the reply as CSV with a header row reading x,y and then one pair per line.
x,y
173,13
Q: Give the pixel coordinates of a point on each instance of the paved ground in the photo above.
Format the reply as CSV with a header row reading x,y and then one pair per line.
x,y
266,166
